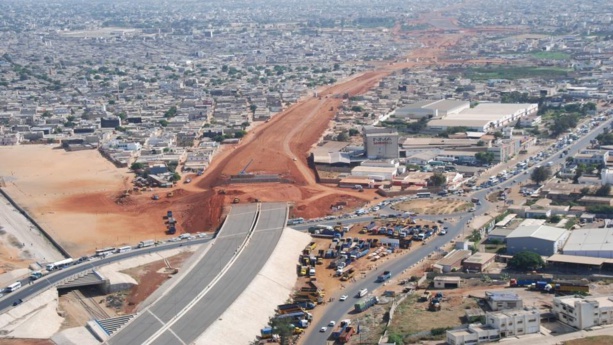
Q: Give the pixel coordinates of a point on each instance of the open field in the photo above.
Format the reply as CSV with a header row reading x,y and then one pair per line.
x,y
550,55
434,206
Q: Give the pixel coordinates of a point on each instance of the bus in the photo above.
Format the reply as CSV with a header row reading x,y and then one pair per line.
x,y
13,287
295,221
124,249
424,195
105,251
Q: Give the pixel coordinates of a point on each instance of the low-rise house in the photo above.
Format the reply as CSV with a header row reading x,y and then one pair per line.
x,y
479,262
584,312
503,300
451,261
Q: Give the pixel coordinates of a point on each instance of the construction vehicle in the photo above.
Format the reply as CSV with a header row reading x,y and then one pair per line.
x,y
303,271
170,194
244,171
435,304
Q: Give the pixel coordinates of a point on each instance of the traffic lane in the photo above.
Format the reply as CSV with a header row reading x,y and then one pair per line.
x,y
137,333
28,290
395,266
230,237
171,303
239,220
199,277
227,290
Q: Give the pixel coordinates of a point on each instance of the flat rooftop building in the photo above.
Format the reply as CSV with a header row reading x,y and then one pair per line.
x,y
590,242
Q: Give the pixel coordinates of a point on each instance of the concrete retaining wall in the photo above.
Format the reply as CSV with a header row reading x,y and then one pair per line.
x,y
40,228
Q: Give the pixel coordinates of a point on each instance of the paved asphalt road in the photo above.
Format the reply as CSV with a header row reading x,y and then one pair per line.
x,y
339,309
230,237
269,227
28,291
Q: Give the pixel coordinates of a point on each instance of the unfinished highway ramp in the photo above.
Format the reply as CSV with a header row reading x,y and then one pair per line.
x,y
242,247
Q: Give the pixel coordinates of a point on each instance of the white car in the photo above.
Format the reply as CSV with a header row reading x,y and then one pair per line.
x,y
323,329
331,323
343,297
443,232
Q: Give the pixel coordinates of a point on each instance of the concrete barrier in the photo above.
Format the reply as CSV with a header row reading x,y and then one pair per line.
x,y
40,228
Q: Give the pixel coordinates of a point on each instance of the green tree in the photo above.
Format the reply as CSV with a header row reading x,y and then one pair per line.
x,y
540,174
137,166
176,177
438,179
253,108
585,191
498,135
395,338
283,328
357,109
484,157
555,219
353,132
46,113
163,123
172,112
475,236
526,261
562,123
342,136
604,190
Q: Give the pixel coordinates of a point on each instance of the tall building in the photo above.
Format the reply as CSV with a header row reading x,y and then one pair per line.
x,y
380,142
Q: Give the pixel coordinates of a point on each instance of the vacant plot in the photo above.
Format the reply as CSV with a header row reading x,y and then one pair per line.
x,y
515,72
413,319
599,340
434,206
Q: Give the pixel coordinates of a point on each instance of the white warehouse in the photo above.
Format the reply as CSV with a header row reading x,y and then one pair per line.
x,y
597,243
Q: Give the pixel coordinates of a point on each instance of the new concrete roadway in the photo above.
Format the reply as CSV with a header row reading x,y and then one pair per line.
x,y
338,310
199,317
231,236
51,280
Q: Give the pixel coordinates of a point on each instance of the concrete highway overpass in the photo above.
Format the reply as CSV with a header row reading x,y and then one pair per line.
x,y
242,247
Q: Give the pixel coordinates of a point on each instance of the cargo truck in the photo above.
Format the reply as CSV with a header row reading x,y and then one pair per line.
x,y
383,277
346,334
365,303
348,274
145,243
297,316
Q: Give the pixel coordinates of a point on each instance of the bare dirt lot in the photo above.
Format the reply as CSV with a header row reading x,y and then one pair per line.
x,y
434,206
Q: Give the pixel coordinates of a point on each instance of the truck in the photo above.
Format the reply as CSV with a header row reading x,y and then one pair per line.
x,y
59,264
296,316
526,282
145,243
362,293
475,201
383,277
289,308
36,275
365,303
348,274
346,334
570,288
